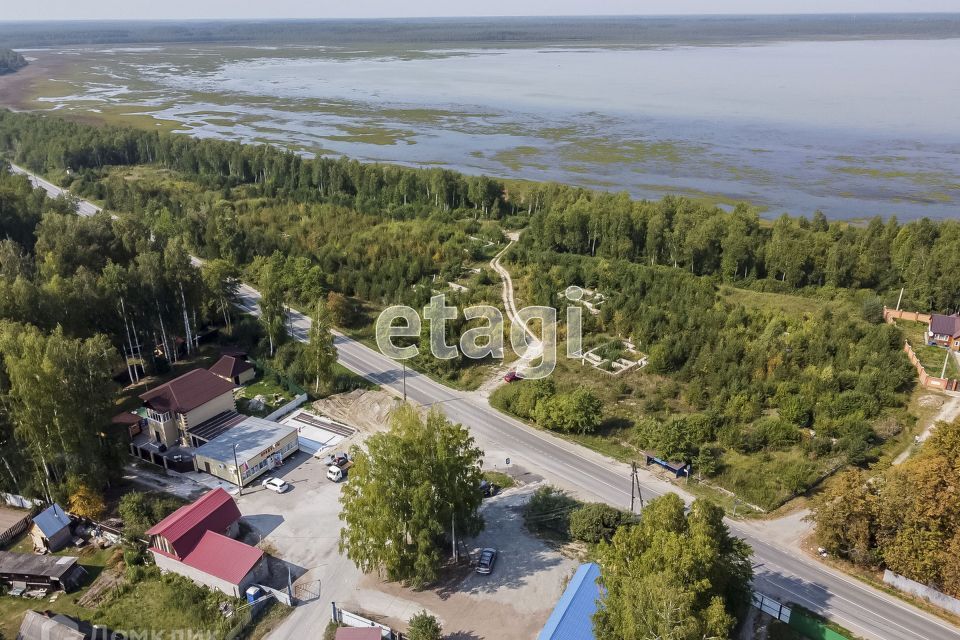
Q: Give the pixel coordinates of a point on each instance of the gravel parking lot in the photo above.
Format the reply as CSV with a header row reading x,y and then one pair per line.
x,y
301,528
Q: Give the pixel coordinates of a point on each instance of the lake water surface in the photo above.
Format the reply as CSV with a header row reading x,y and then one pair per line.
x,y
855,128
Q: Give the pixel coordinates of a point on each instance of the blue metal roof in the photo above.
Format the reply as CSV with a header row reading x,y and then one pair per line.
x,y
51,520
572,618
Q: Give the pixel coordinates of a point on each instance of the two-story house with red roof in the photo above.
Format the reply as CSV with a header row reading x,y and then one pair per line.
x,y
197,541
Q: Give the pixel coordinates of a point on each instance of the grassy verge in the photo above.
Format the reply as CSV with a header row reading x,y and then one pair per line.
x,y
268,621
502,480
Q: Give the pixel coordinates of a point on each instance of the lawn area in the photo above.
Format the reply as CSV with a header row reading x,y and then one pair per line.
x,y
793,305
273,392
168,602
498,478
770,478
932,358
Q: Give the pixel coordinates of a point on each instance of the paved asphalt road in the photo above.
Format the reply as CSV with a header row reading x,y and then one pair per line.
x,y
780,572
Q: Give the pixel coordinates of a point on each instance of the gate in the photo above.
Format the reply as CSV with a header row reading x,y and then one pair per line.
x,y
306,591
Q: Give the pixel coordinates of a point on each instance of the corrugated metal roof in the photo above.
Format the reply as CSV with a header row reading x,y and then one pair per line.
x,y
184,528
223,557
252,436
36,626
572,618
51,520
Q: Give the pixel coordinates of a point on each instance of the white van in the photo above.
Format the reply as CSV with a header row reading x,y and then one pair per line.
x,y
335,473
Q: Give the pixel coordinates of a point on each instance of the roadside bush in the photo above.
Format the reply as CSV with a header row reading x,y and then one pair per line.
x,y
595,522
548,511
576,412
424,626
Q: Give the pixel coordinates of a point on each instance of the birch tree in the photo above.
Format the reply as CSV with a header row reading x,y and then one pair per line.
x,y
320,354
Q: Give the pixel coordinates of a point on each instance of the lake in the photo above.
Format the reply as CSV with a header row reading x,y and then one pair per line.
x,y
855,128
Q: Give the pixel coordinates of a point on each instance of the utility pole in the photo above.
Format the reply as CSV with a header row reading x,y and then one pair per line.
x,y
943,372
900,298
237,465
453,534
404,363
635,487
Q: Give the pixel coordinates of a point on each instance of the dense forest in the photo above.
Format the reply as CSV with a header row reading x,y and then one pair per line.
x,y
802,392
74,292
906,519
227,179
806,390
11,61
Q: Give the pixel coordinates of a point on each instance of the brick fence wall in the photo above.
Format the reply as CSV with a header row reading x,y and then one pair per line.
x,y
890,315
941,384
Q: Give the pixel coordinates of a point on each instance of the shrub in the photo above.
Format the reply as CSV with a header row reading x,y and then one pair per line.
x,y
86,502
424,626
872,310
549,510
595,522
576,412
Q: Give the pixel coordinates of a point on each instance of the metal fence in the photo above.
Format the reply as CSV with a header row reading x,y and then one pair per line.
x,y
350,619
772,607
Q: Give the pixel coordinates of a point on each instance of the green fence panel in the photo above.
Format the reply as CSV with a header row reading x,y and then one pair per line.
x,y
813,628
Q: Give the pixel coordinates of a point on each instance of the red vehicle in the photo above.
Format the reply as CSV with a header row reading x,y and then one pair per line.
x,y
512,376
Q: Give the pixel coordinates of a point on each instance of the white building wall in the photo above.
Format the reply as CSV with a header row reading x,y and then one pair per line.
x,y
166,563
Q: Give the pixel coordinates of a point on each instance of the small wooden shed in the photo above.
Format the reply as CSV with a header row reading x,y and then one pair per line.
x,y
51,529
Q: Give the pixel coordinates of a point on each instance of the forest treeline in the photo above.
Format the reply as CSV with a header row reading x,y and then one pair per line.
x,y
906,519
433,32
738,247
11,61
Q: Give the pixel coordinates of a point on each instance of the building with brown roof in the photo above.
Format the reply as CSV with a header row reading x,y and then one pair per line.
x,y
944,331
234,368
186,401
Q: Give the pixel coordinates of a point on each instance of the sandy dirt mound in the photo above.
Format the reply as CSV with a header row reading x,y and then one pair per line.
x,y
367,411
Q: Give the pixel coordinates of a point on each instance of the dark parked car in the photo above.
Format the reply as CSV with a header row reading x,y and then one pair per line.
x,y
337,460
512,376
488,557
488,489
